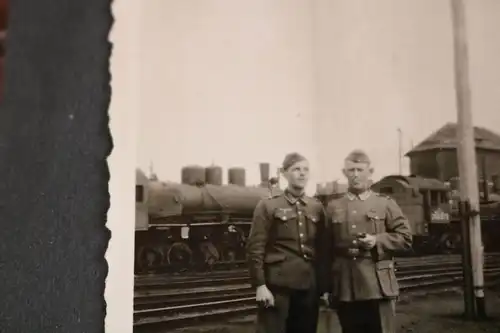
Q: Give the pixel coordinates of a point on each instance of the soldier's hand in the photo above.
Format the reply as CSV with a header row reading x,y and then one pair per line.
x,y
264,296
368,241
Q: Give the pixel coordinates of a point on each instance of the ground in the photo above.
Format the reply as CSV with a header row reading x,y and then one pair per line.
x,y
424,313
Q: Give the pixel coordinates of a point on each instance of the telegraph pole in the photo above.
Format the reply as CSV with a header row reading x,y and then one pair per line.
x,y
469,191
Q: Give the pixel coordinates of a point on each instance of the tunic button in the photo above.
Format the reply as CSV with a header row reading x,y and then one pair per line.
x,y
301,235
353,258
283,218
300,213
355,242
300,223
354,227
354,212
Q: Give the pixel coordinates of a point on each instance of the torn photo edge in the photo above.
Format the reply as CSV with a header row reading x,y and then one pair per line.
x,y
123,113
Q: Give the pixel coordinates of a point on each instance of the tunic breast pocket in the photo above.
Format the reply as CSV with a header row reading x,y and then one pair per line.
x,y
338,223
377,220
286,219
312,225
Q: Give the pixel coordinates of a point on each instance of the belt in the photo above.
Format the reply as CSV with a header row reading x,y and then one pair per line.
x,y
354,253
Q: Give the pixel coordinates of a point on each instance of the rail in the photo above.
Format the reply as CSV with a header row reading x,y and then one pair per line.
x,y
173,303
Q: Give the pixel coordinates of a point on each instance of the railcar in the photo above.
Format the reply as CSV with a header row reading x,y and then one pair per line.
x,y
427,205
195,222
432,209
200,222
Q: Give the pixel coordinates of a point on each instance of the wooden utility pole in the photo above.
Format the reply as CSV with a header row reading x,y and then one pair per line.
x,y
469,191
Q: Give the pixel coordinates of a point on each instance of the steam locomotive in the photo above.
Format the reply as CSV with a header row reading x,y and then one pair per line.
x,y
198,222
201,222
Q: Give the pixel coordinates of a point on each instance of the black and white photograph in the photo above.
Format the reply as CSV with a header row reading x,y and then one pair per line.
x,y
316,166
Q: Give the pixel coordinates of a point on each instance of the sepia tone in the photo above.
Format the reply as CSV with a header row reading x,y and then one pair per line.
x,y
229,90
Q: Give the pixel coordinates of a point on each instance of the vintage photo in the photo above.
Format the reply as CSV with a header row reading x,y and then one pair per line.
x,y
317,166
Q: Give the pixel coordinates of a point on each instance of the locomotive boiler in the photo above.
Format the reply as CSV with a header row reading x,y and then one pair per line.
x,y
199,221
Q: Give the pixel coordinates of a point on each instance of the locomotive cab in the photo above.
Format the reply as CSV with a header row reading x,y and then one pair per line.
x,y
141,200
426,204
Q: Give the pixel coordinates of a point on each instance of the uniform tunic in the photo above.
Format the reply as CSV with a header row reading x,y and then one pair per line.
x,y
287,241
360,276
283,243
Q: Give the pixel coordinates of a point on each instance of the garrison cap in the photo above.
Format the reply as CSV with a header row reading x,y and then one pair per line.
x,y
291,159
358,156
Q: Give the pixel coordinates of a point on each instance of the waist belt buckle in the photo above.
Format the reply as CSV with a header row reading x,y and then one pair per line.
x,y
353,252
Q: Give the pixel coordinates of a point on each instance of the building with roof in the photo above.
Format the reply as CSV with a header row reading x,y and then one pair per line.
x,y
436,156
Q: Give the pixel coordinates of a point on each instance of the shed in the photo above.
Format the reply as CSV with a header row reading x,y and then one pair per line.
x,y
436,156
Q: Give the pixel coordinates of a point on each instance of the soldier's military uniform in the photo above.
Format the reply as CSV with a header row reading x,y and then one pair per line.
x,y
286,241
364,284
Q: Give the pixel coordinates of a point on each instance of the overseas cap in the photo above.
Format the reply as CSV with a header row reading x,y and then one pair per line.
x,y
358,156
291,159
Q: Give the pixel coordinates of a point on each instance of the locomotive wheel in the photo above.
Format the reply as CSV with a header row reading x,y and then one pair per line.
x,y
164,252
210,253
230,255
148,258
179,255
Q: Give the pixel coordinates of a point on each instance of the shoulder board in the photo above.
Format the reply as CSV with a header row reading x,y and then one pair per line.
x,y
274,195
385,196
342,197
334,201
311,199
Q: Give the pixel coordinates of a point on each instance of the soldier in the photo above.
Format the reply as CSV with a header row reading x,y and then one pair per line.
x,y
367,228
283,250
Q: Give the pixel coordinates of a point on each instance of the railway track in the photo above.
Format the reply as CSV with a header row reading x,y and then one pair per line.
x,y
164,303
224,267
165,281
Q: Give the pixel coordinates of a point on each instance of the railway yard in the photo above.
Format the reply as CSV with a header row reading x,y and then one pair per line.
x,y
202,224
223,301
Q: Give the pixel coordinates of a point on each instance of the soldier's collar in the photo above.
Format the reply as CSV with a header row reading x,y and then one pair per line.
x,y
292,199
362,196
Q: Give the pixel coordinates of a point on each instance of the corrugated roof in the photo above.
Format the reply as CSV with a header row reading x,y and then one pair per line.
x,y
445,138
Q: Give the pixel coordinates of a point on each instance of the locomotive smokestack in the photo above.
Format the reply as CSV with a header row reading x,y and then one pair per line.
x,y
264,173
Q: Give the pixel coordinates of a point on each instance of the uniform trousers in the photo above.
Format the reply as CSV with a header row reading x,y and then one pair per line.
x,y
294,311
373,316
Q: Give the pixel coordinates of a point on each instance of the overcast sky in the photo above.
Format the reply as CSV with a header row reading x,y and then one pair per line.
x,y
242,82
